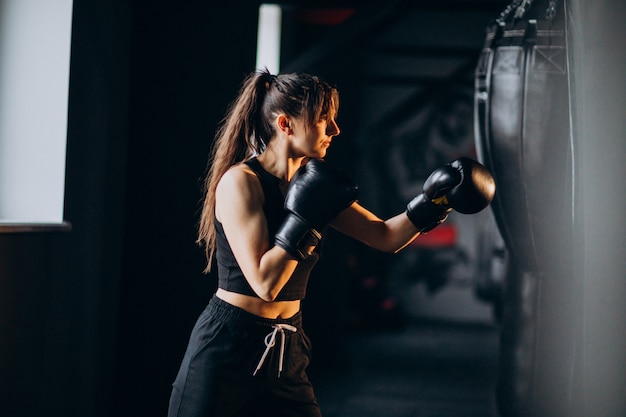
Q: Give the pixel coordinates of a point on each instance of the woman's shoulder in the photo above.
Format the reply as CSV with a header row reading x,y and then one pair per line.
x,y
239,190
239,177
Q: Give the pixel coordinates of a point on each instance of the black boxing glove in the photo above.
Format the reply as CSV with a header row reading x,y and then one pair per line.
x,y
463,184
424,214
316,194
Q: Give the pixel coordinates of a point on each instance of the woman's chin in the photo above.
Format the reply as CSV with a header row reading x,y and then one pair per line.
x,y
320,154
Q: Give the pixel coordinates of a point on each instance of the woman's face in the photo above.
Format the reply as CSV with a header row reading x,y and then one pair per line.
x,y
320,135
314,140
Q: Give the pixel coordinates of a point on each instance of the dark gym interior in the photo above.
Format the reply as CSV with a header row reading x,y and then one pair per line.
x,y
518,311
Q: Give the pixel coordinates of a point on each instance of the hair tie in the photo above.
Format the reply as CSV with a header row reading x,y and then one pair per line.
x,y
267,79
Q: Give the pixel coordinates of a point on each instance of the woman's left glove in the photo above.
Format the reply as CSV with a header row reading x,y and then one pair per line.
x,y
317,193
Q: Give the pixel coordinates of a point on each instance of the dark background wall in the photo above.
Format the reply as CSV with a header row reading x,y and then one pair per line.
x,y
188,62
60,289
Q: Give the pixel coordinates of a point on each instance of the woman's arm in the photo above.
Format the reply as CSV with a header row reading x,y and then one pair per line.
x,y
389,235
463,184
239,207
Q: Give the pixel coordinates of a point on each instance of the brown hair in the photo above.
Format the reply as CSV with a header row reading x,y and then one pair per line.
x,y
247,129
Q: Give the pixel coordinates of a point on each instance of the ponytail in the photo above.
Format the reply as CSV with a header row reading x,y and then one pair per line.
x,y
234,143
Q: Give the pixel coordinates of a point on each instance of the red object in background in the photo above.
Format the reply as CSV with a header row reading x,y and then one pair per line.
x,y
324,17
442,236
388,304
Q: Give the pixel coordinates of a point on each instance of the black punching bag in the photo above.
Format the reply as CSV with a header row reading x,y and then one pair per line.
x,y
522,128
522,132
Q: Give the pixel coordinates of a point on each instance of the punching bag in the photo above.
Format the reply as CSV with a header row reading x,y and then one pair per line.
x,y
522,133
522,127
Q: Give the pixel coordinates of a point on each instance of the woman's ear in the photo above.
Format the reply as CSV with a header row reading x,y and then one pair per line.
x,y
283,123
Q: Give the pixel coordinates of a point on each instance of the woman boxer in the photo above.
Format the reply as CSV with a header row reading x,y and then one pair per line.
x,y
268,197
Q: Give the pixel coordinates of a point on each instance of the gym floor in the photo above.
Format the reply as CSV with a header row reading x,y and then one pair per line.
x,y
420,370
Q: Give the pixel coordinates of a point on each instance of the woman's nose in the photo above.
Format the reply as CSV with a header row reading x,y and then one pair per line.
x,y
332,129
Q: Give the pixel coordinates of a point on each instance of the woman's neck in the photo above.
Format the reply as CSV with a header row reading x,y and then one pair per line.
x,y
278,163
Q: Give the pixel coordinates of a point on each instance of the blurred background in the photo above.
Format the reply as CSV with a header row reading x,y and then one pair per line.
x,y
98,296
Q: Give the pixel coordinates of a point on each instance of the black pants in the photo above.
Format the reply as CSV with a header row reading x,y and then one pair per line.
x,y
217,376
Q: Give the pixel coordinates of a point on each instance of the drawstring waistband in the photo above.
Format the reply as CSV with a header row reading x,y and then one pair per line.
x,y
270,342
235,316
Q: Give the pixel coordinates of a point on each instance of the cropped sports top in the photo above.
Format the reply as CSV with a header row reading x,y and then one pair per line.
x,y
230,276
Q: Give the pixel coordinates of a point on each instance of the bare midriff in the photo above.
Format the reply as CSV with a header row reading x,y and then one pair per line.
x,y
259,307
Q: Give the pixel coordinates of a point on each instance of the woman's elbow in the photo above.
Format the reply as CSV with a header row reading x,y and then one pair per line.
x,y
268,291
267,295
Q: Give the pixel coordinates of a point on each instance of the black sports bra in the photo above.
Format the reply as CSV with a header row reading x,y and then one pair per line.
x,y
230,276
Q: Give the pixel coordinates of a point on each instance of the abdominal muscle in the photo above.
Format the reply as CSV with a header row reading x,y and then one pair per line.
x,y
259,307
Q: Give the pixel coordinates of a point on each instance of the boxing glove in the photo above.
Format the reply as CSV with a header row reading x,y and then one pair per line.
x,y
316,194
463,185
425,214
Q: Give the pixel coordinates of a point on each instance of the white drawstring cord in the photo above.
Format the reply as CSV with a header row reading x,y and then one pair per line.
x,y
270,341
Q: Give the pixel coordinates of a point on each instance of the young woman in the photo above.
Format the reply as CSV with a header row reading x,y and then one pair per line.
x,y
268,197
